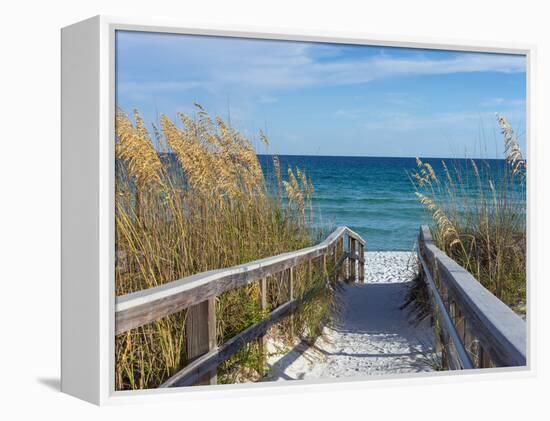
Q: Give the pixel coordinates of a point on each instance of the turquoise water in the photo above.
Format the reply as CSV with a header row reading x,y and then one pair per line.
x,y
373,196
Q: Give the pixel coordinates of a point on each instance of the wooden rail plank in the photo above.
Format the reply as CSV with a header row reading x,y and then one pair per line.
x,y
138,308
206,363
501,332
464,361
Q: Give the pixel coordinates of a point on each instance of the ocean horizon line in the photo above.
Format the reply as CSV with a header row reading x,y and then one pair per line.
x,y
369,156
380,156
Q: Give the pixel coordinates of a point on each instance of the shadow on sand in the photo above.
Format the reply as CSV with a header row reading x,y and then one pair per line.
x,y
372,310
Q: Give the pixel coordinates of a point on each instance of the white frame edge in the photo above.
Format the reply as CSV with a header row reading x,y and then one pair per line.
x,y
80,245
88,100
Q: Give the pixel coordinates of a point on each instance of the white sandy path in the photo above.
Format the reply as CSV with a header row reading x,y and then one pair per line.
x,y
373,336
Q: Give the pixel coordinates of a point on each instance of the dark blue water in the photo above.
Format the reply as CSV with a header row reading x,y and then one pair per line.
x,y
373,196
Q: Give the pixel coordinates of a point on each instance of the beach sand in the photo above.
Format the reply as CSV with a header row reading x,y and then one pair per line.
x,y
372,336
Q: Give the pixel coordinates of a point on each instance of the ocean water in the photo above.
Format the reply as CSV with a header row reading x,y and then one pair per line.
x,y
373,196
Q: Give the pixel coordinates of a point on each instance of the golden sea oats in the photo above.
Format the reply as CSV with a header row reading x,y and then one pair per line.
x,y
135,148
444,224
447,174
425,173
474,166
303,180
420,180
204,122
277,170
264,138
219,159
223,154
253,168
293,190
292,194
426,201
430,171
512,149
311,187
193,158
292,178
238,159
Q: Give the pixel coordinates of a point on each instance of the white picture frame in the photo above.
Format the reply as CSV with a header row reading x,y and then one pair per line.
x,y
88,105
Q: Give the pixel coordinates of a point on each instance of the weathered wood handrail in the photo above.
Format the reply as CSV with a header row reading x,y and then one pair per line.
x,y
451,336
142,307
197,294
488,329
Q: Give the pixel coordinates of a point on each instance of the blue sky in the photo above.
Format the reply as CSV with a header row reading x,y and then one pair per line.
x,y
329,99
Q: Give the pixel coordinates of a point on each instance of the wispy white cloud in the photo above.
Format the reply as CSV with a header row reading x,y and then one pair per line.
x,y
401,99
352,113
300,68
267,99
406,122
272,65
162,87
502,102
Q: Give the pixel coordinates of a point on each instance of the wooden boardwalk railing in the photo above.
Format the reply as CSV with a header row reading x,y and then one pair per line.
x,y
197,294
477,330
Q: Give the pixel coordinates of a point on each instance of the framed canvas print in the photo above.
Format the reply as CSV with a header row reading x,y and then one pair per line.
x,y
247,211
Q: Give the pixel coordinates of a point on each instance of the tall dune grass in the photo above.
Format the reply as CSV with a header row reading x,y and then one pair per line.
x,y
480,219
204,205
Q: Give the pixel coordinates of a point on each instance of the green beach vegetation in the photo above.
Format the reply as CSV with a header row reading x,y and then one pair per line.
x,y
205,205
479,218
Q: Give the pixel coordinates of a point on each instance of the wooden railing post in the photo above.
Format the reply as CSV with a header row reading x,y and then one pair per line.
x,y
263,308
200,334
468,339
263,294
335,259
324,268
361,263
291,297
350,260
342,271
485,359
353,262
